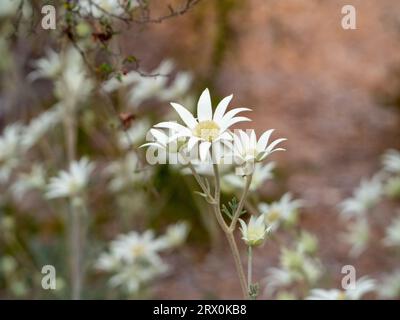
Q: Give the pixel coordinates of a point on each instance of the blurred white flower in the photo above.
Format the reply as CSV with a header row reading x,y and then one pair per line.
x,y
389,286
10,148
246,148
207,129
391,161
261,173
150,86
9,8
365,196
135,134
126,173
179,87
175,235
307,243
357,236
39,126
253,233
277,278
393,233
284,210
73,85
362,286
34,180
47,67
392,187
106,8
70,183
134,258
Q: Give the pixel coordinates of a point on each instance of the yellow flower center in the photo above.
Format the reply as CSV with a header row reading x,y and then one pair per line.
x,y
207,130
138,250
341,296
273,215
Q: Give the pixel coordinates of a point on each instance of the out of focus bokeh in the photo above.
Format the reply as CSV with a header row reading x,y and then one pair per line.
x,y
77,101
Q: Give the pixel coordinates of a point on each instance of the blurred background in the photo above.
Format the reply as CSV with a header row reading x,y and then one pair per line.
x,y
333,93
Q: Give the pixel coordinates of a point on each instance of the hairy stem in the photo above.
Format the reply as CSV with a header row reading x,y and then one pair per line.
x,y
249,266
241,203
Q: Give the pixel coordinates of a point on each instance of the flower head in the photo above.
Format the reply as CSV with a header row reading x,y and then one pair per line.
x,y
254,232
248,149
393,233
284,210
362,286
208,128
391,161
70,183
364,197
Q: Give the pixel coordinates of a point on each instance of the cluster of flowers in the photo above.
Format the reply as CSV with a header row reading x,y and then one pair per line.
x,y
134,259
357,209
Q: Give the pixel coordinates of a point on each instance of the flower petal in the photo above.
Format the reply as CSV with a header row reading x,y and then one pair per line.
x,y
204,108
221,108
226,124
204,148
263,141
185,115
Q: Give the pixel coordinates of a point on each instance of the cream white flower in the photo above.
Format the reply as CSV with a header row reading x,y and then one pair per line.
x,y
277,278
175,235
391,161
135,134
47,67
134,246
362,286
262,173
39,126
248,149
392,187
125,172
100,8
70,183
389,286
254,232
393,233
208,129
10,149
367,194
179,87
357,236
34,180
284,210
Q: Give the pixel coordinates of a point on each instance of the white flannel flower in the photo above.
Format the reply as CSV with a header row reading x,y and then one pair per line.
x,y
208,129
125,172
262,173
362,286
70,183
277,278
39,126
175,235
284,210
151,86
10,148
134,246
393,233
357,237
254,232
389,286
47,67
367,194
135,134
391,161
132,278
392,187
100,8
179,87
248,149
34,180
